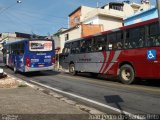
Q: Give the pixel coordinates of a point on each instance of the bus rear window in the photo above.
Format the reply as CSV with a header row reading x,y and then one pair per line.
x,y
41,46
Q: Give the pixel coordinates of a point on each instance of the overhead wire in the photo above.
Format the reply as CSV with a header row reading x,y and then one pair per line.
x,y
14,23
20,20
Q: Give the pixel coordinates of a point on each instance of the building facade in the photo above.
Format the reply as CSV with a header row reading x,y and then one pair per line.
x,y
85,21
15,36
141,16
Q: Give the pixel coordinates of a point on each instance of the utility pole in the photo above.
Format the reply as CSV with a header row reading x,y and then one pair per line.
x,y
97,5
158,9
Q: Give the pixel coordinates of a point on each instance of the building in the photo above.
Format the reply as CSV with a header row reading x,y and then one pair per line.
x,y
85,21
141,16
56,38
9,37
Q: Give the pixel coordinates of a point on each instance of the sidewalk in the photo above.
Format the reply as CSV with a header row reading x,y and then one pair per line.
x,y
24,102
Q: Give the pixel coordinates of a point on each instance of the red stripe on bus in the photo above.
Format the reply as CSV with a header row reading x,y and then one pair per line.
x,y
109,61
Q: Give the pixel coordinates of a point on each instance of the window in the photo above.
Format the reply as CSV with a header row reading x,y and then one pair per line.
x,y
153,38
20,49
40,45
99,43
75,47
120,8
115,40
119,41
13,48
76,20
88,43
66,37
135,37
153,29
116,7
66,49
112,41
83,46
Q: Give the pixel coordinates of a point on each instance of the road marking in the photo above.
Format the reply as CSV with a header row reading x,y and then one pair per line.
x,y
89,100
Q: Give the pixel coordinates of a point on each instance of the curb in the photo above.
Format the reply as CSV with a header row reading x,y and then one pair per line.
x,y
84,108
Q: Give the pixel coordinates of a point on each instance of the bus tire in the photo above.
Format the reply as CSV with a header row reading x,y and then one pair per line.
x,y
126,74
72,69
94,75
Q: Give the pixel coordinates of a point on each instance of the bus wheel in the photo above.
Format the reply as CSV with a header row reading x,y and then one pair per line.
x,y
72,69
126,74
94,75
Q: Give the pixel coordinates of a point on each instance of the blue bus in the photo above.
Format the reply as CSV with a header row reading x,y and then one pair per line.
x,y
30,55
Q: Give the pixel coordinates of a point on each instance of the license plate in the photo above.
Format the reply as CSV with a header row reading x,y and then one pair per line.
x,y
40,65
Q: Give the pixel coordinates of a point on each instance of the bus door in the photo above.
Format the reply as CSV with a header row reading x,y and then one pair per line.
x,y
66,56
20,61
19,56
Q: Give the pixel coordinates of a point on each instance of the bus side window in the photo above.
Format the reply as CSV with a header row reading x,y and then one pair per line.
x,y
112,41
153,37
135,37
66,49
157,40
153,41
75,47
82,46
63,51
100,43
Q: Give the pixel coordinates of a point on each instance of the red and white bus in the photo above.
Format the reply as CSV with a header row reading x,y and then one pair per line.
x,y
127,52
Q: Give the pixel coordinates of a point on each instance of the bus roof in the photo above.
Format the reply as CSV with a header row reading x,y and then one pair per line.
x,y
117,29
17,41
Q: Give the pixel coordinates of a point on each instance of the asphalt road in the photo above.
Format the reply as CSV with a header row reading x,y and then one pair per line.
x,y
142,97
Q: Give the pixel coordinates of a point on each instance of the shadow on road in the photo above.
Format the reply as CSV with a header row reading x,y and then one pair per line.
x,y
142,82
116,99
40,73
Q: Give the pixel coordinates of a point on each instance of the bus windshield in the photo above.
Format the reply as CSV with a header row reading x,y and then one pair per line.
x,y
41,46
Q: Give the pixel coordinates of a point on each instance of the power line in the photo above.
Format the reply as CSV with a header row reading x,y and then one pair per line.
x,y
55,16
18,1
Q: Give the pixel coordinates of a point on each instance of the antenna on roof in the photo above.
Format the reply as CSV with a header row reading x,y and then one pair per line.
x,y
33,35
97,4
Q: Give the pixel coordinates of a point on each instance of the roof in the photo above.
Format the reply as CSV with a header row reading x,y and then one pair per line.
x,y
69,29
26,40
23,35
75,10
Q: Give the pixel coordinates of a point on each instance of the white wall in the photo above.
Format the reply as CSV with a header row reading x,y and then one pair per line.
x,y
110,23
73,34
85,10
94,20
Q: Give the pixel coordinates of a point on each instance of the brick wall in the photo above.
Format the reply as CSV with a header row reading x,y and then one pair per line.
x,y
72,19
91,29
